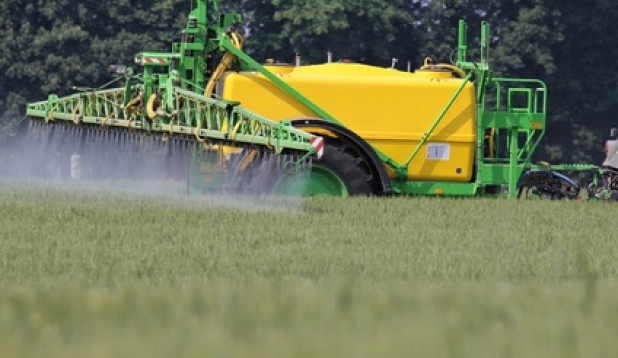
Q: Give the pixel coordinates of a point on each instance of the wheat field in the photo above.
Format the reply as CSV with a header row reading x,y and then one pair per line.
x,y
113,269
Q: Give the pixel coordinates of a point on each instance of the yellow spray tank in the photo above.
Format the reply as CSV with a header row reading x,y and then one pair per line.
x,y
388,108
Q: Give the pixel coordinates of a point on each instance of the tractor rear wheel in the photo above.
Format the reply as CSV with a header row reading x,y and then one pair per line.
x,y
337,173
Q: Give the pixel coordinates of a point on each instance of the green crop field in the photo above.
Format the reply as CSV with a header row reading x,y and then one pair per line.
x,y
95,270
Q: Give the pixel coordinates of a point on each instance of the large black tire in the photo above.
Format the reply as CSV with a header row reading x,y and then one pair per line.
x,y
337,159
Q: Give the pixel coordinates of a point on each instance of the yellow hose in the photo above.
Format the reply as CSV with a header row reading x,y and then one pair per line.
x,y
223,65
428,65
152,113
51,113
132,103
197,133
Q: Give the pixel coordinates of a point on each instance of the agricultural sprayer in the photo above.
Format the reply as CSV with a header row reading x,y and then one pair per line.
x,y
335,128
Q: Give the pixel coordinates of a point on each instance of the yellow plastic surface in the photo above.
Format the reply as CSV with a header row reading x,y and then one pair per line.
x,y
279,68
390,109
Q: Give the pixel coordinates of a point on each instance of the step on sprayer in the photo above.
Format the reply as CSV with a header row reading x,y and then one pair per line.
x,y
341,128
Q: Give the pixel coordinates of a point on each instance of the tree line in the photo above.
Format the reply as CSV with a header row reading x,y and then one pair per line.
x,y
48,47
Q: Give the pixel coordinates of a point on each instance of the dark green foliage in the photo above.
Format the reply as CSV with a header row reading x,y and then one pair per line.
x,y
50,46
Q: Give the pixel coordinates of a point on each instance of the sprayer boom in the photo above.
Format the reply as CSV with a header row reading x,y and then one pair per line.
x,y
183,114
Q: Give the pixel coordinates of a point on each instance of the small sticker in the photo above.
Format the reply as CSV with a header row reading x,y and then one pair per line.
x,y
438,151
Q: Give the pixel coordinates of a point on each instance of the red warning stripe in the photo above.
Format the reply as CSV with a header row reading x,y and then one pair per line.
x,y
318,144
157,60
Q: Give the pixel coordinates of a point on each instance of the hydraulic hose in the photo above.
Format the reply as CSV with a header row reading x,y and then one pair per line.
x,y
223,65
428,65
150,106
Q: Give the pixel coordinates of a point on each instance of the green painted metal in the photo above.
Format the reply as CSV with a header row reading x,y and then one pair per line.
x,y
315,181
205,168
438,189
507,120
188,114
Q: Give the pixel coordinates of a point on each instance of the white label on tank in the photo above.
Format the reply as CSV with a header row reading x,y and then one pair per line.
x,y
438,151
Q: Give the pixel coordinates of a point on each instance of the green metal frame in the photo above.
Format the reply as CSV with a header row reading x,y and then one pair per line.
x,y
196,117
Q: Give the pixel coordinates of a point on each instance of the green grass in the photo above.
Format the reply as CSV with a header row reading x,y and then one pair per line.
x,y
94,271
